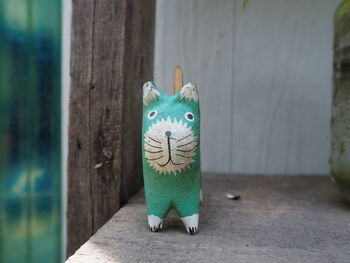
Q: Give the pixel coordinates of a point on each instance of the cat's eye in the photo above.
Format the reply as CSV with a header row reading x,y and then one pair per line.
x,y
152,114
189,116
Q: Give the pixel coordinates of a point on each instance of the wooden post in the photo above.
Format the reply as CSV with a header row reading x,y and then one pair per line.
x,y
178,79
111,56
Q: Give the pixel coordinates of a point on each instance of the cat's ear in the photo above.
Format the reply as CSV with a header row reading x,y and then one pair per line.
x,y
150,93
189,92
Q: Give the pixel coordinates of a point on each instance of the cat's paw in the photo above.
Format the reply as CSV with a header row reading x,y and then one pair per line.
x,y
191,223
192,230
155,223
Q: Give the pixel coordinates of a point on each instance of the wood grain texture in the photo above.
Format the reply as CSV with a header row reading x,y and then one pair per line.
x,y
283,86
79,228
198,36
111,56
264,75
138,68
278,219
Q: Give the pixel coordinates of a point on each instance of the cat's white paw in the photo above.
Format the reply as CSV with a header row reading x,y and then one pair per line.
x,y
155,223
191,223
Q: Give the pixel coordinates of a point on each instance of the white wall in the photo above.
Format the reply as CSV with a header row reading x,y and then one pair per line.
x,y
264,76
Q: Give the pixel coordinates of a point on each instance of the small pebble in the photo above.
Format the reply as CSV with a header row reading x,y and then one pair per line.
x,y
233,197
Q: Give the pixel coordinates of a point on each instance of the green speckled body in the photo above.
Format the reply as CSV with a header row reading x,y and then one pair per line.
x,y
178,190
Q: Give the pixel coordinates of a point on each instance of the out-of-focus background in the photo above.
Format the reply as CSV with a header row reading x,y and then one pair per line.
x,y
31,217
264,75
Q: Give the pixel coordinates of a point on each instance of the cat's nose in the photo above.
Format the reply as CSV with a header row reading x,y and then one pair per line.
x,y
168,133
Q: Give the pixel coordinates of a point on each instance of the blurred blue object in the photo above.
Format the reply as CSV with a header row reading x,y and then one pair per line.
x,y
30,131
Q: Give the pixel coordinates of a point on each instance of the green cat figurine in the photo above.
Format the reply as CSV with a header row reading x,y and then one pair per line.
x,y
171,155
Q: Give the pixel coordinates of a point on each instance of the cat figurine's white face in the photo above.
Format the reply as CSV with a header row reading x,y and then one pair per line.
x,y
169,145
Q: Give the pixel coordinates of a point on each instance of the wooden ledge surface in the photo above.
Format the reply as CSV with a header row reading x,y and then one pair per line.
x,y
278,219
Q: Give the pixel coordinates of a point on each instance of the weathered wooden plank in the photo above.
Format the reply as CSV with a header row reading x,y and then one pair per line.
x,y
112,54
282,87
106,91
278,219
79,217
138,63
198,36
264,75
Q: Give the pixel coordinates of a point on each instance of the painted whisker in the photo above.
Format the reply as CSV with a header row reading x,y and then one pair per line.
x,y
153,146
186,151
155,158
184,156
185,137
153,139
153,152
186,144
176,163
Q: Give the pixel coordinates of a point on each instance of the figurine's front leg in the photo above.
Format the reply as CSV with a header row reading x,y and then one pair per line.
x,y
157,208
187,206
155,223
191,223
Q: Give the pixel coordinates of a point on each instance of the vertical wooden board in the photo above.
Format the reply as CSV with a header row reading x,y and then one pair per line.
x,y
79,217
138,68
282,96
112,55
198,36
106,92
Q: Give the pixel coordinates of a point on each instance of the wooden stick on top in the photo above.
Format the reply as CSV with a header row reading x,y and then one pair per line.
x,y
178,79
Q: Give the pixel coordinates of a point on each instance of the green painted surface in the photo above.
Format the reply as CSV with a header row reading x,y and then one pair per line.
x,y
30,130
178,190
340,157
